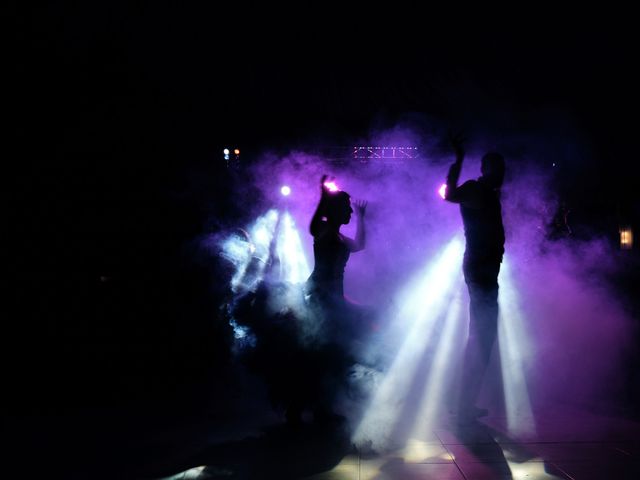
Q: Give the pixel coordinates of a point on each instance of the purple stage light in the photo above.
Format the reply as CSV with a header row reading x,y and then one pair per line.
x,y
285,190
442,190
331,186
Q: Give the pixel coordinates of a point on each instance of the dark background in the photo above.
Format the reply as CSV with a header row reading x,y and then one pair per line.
x,y
118,116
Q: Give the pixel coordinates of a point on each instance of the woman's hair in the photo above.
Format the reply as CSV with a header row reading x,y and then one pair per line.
x,y
335,203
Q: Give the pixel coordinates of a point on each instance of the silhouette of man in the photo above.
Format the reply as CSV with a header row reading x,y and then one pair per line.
x,y
484,234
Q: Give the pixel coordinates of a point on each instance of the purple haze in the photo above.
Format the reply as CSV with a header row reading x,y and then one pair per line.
x,y
577,328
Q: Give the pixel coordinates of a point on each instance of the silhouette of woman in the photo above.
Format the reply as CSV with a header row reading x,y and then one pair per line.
x,y
331,249
327,359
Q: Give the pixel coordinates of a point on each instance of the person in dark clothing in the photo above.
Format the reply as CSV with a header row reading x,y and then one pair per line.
x,y
331,249
484,234
329,351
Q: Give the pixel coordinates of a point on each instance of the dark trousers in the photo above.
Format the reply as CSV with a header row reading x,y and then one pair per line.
x,y
481,277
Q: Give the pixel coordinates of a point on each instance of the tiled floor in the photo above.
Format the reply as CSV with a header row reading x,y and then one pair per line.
x,y
567,445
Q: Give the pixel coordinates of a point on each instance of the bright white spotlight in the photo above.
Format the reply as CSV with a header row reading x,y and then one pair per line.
x,y
532,468
250,255
294,267
442,369
515,355
442,190
331,186
237,250
190,474
226,151
423,302
285,190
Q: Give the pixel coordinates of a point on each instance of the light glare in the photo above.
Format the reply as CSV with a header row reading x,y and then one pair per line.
x,y
442,190
331,186
423,302
515,352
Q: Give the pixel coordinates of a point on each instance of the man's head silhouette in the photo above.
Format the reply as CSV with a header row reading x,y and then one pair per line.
x,y
492,168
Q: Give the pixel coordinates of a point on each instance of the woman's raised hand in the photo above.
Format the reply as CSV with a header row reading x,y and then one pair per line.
x,y
360,207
